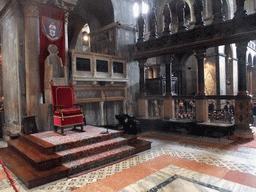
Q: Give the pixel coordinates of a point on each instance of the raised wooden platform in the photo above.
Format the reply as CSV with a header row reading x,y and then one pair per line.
x,y
40,158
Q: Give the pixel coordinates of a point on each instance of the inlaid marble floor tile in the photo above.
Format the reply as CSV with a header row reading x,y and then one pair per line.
x,y
242,160
179,179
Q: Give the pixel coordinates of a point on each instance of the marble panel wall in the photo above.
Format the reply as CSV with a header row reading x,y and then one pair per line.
x,y
13,68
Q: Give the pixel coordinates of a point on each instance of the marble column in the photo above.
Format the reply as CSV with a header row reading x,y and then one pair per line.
x,y
168,102
142,76
124,105
241,56
200,55
243,101
142,102
66,46
168,72
201,102
143,107
101,119
31,17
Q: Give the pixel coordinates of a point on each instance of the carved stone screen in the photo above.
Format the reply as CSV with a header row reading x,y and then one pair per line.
x,y
102,66
118,67
83,64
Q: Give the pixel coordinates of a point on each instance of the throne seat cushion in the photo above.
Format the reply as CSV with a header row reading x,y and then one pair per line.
x,y
68,111
68,120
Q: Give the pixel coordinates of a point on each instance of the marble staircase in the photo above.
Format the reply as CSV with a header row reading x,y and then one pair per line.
x,y
40,158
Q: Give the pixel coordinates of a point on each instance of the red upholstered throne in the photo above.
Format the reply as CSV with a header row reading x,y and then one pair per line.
x,y
64,108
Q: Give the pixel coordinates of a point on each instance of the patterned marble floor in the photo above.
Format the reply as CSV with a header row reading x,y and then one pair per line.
x,y
241,160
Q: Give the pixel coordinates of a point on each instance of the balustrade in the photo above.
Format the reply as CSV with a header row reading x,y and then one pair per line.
x,y
185,108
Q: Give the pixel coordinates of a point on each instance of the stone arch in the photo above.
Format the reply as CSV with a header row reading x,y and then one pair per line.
x,y
254,61
249,59
227,11
184,68
96,13
161,6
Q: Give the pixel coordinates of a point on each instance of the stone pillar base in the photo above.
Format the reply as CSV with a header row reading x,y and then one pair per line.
x,y
243,133
45,119
201,110
143,108
168,109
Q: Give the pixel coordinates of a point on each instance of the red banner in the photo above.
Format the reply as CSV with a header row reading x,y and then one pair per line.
x,y
52,31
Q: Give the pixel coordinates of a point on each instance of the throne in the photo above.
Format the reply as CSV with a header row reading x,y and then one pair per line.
x,y
64,108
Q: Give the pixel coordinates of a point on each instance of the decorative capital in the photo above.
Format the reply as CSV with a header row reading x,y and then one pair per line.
x,y
142,63
200,54
168,58
242,46
30,8
66,17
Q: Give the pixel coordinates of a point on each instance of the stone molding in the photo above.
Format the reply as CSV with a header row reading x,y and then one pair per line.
x,y
31,8
67,5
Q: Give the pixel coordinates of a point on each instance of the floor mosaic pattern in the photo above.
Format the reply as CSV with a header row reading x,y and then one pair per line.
x,y
242,160
71,136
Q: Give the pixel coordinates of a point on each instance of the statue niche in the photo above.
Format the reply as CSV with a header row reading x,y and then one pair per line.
x,y
55,72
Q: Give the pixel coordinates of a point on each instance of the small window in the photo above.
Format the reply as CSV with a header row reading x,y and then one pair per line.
x,y
83,64
102,66
118,67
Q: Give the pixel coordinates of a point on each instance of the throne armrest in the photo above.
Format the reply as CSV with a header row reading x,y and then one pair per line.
x,y
78,105
55,107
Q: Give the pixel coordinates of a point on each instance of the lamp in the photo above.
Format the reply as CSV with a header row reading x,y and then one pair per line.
x,y
85,37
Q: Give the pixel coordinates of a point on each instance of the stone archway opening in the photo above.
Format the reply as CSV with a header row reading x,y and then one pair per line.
x,y
83,40
186,70
189,76
96,14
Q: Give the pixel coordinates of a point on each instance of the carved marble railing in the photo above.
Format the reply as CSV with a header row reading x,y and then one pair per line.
x,y
185,108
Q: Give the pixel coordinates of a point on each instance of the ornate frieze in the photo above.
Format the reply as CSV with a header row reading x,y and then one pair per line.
x,y
226,32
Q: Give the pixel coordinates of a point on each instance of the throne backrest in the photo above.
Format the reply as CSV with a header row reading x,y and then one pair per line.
x,y
63,95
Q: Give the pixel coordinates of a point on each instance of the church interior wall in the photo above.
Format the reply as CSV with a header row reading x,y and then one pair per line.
x,y
13,68
122,39
250,6
3,4
211,72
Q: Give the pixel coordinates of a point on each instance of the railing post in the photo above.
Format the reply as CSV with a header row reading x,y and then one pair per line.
x,y
168,102
243,101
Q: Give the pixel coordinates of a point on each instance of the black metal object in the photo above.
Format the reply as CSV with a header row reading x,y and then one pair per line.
x,y
29,125
130,124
